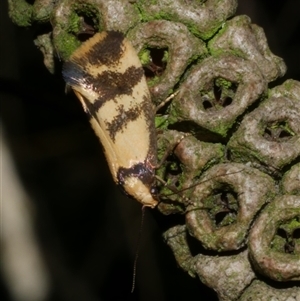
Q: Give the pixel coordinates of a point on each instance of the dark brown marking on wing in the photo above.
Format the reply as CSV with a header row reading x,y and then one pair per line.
x,y
106,51
141,170
120,121
148,110
111,84
108,85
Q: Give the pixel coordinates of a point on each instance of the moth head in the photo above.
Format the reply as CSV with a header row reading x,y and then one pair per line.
x,y
139,191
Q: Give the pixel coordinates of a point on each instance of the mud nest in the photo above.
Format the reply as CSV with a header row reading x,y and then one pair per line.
x,y
233,168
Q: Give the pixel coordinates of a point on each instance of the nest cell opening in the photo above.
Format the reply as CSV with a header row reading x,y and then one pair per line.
x,y
157,62
287,237
223,206
87,20
220,95
278,131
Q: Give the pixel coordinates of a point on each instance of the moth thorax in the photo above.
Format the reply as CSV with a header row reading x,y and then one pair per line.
x,y
138,190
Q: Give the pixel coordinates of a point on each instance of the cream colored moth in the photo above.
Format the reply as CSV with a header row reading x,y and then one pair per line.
x,y
108,79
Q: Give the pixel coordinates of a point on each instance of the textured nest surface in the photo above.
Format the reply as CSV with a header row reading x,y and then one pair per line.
x,y
233,169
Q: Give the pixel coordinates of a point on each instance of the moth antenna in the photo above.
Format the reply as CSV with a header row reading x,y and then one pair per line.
x,y
196,184
168,151
174,190
138,249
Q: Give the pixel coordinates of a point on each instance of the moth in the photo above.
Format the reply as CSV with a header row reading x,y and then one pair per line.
x,y
107,77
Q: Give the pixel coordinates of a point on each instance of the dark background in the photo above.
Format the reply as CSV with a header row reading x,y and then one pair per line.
x,y
87,229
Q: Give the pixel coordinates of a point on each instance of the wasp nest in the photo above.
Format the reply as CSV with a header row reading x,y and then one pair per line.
x,y
233,144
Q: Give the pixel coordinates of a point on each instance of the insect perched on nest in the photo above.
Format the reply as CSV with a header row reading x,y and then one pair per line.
x,y
107,77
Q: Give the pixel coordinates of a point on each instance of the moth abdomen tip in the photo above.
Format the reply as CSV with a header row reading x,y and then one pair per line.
x,y
72,73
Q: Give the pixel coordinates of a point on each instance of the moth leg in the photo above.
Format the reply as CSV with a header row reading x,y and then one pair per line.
x,y
168,99
173,145
171,148
174,190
